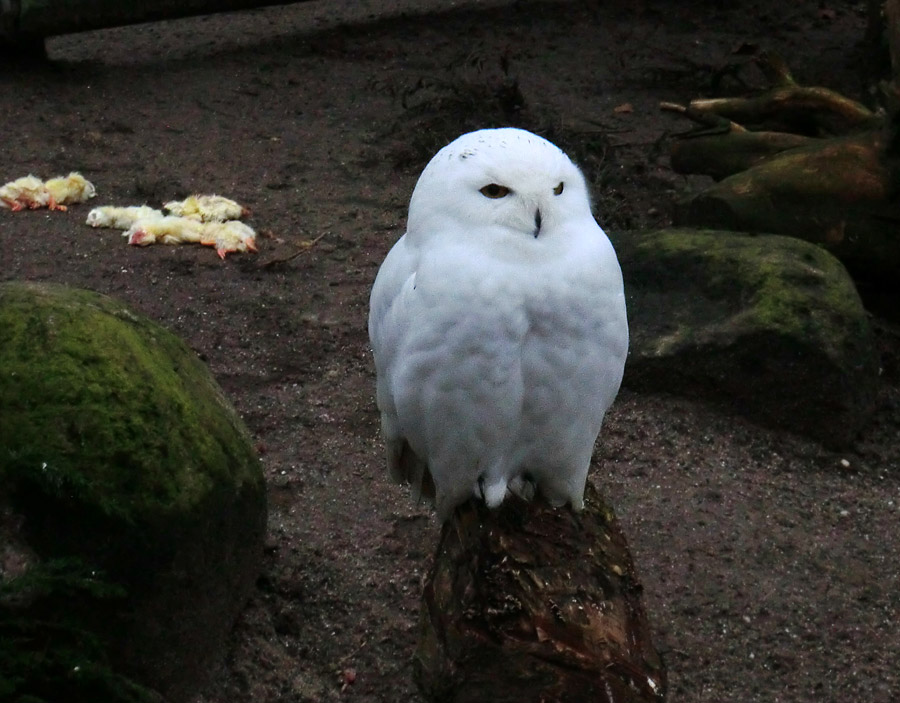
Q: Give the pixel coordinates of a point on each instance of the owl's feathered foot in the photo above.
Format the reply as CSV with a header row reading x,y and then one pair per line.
x,y
492,493
524,486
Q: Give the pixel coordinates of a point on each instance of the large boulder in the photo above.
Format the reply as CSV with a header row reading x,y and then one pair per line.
x,y
769,326
132,504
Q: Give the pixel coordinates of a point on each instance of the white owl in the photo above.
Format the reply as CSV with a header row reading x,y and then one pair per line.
x,y
498,326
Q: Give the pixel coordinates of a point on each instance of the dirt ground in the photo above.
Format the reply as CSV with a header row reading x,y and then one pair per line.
x,y
770,565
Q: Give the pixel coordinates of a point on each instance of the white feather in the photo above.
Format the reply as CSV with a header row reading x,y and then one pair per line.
x,y
499,335
121,217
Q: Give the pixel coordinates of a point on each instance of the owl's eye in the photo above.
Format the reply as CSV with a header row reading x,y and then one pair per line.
x,y
559,189
492,190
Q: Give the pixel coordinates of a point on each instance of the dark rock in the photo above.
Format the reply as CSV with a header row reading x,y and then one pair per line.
x,y
771,327
132,503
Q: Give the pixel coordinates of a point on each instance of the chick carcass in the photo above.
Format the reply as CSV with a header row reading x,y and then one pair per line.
x,y
229,237
32,193
207,208
74,188
226,237
26,192
121,217
164,230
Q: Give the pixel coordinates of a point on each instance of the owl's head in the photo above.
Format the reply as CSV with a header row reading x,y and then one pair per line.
x,y
507,181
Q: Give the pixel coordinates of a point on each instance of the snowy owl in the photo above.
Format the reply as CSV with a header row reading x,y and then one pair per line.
x,y
498,326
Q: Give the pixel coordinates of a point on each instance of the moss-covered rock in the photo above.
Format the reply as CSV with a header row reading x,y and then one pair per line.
x,y
770,326
127,477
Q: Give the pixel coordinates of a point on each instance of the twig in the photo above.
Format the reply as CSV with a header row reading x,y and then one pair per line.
x,y
707,119
776,70
306,246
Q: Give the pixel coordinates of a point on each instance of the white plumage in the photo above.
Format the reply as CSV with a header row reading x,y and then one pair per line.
x,y
498,326
121,217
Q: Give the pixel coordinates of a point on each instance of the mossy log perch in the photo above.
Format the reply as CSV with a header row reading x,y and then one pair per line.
x,y
531,603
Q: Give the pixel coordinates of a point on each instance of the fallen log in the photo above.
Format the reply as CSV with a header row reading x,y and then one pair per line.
x,y
531,603
723,147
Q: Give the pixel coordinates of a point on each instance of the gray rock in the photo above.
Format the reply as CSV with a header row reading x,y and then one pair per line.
x,y
132,504
769,326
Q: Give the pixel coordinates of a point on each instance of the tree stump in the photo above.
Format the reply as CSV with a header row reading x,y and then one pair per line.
x,y
530,603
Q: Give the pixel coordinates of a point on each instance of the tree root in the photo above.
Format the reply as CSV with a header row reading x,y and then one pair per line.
x,y
790,107
722,147
796,160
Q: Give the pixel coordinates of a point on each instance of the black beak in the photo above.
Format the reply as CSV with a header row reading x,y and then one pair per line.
x,y
537,224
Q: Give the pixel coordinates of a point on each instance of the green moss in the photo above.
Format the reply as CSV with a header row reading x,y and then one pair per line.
x,y
806,293
136,497
769,282
48,655
106,406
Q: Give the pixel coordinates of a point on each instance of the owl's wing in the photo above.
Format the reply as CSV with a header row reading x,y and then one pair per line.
x,y
398,270
445,332
389,318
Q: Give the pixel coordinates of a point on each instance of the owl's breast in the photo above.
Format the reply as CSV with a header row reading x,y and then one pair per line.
x,y
573,354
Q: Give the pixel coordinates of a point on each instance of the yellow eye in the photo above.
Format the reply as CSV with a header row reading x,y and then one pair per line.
x,y
492,190
559,189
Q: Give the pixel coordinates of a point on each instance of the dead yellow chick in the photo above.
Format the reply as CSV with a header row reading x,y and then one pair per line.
x,y
207,208
165,230
121,217
26,192
73,188
228,237
31,192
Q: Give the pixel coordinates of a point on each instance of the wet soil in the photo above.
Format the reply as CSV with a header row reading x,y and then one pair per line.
x,y
770,564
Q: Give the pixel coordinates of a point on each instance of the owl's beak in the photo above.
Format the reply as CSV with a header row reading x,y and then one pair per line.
x,y
537,223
